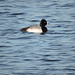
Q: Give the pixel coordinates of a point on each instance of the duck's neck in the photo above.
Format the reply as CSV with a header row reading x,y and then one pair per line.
x,y
44,29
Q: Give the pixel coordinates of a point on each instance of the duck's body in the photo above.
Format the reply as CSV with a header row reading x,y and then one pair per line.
x,y
37,28
34,29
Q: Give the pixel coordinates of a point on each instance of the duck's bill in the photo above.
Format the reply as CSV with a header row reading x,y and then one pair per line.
x,y
48,24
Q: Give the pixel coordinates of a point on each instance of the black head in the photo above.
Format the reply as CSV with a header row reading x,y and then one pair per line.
x,y
43,23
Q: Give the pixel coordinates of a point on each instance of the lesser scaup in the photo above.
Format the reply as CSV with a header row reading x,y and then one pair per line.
x,y
37,28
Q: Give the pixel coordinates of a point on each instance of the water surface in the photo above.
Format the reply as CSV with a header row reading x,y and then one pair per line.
x,y
33,54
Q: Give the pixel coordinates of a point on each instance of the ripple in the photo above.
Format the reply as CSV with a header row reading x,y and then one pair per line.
x,y
4,46
16,38
19,73
62,33
17,13
24,73
47,16
6,5
63,21
69,5
7,31
70,69
2,0
1,56
49,60
70,73
33,20
4,65
27,59
46,55
4,12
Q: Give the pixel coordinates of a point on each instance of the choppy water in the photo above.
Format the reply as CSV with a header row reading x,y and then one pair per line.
x,y
33,54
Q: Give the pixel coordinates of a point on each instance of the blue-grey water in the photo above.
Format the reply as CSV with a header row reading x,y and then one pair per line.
x,y
34,54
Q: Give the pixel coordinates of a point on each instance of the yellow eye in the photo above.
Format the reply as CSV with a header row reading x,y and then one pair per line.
x,y
44,22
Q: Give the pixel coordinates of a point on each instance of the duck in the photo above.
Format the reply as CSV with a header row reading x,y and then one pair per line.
x,y
36,28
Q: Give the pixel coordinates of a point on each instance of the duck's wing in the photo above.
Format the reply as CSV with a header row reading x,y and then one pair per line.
x,y
31,27
35,27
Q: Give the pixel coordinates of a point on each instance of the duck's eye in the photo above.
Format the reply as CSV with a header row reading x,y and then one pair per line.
x,y
44,22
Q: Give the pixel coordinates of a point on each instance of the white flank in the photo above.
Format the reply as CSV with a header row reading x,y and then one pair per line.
x,y
34,30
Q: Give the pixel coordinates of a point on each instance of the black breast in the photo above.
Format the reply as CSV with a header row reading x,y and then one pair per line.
x,y
44,29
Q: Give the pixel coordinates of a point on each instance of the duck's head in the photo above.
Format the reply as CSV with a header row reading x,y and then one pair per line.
x,y
43,23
